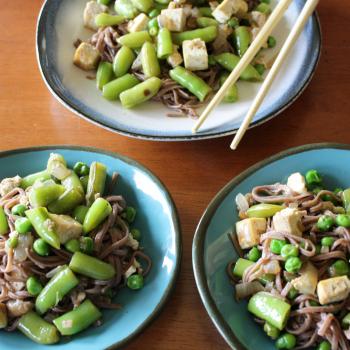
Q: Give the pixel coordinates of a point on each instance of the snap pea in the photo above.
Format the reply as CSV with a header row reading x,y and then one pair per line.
x,y
44,193
269,308
126,9
29,180
97,181
78,319
191,82
113,89
205,11
104,74
143,5
164,43
149,60
73,182
81,169
66,202
229,61
86,245
123,61
203,22
271,331
233,22
105,20
99,210
153,23
91,267
59,285
80,212
231,94
242,39
141,92
254,254
43,226
57,166
207,34
263,210
153,13
134,40
72,245
3,316
343,220
240,266
4,227
37,329
84,180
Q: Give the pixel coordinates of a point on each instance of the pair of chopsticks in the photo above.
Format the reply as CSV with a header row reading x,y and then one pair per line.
x,y
262,37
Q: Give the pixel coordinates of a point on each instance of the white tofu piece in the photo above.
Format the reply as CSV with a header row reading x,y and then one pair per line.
x,y
306,283
333,289
132,242
173,19
195,54
288,220
297,183
240,7
92,9
138,24
9,184
224,11
175,59
86,56
249,231
258,18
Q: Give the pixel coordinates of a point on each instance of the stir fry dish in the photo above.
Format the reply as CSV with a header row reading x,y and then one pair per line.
x,y
66,250
294,245
176,52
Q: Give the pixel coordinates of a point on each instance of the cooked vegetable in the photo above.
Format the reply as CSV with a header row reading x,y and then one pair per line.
x,y
97,181
4,227
99,210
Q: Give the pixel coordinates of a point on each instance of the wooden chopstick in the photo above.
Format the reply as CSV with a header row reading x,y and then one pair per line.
x,y
260,40
287,46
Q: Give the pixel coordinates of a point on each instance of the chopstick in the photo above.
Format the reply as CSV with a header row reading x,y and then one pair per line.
x,y
299,25
262,37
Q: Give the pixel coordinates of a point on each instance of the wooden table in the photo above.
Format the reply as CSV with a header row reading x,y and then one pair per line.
x,y
195,171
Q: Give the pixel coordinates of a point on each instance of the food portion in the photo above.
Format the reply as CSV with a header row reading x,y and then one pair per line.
x,y
67,247
293,242
175,52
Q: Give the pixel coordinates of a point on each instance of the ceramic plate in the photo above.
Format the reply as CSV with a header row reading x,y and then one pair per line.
x,y
60,24
158,221
212,249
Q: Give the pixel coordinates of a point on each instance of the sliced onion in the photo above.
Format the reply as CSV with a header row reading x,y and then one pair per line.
x,y
244,290
242,203
272,267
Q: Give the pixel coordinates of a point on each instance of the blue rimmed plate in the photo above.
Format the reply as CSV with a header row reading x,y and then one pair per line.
x,y
157,218
60,24
212,249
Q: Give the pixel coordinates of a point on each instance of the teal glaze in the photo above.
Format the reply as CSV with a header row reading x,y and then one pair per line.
x,y
212,249
157,218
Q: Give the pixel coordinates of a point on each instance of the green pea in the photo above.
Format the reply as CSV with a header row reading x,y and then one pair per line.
x,y
73,245
343,220
312,177
271,330
325,345
271,42
293,264
327,241
135,282
338,190
286,341
276,246
317,190
254,254
233,22
77,167
129,214
19,209
260,68
33,286
292,294
264,8
86,245
12,242
23,225
136,234
41,247
289,250
325,223
339,268
153,31
314,303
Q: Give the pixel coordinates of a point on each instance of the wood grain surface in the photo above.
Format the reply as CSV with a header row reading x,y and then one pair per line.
x,y
193,172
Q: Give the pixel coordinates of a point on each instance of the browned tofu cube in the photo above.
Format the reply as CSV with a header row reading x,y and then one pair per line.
x,y
86,56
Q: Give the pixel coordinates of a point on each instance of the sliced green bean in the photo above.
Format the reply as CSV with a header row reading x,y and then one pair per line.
x,y
134,40
126,9
97,181
80,212
149,60
164,43
105,20
207,34
104,74
4,227
203,22
205,11
263,210
231,94
153,13
73,182
30,179
242,39
346,200
99,210
113,89
123,61
240,266
143,5
44,193
66,202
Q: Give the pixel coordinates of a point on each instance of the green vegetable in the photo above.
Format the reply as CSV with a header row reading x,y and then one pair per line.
x,y
233,22
84,180
346,200
41,247
134,40
78,319
292,294
154,13
203,22
3,316
276,245
325,223
324,345
97,181
80,212
338,190
37,329
327,241
289,250
260,68
73,245
104,2
123,61
29,180
231,94
143,5
264,8
4,227
98,211
129,214
85,170
104,74
86,245
343,220
19,210
73,182
136,234
205,11
206,34
254,254
339,268
242,39
43,226
12,242
164,43
113,89
149,60
105,20
23,225
126,9
271,331
271,42
59,285
91,267
269,308
293,264
191,82
140,93
135,282
312,177
286,341
346,321
263,210
77,167
240,266
44,193
66,202
34,286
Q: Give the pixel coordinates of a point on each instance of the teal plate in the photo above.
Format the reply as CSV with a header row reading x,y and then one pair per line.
x,y
212,249
156,217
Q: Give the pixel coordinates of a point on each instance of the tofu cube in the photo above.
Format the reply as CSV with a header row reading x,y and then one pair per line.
x,y
224,11
195,54
138,24
173,19
86,56
296,182
307,282
92,9
175,59
249,231
288,220
240,7
258,18
333,289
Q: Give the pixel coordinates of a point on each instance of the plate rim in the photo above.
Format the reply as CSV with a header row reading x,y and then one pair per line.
x,y
200,234
195,137
174,218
